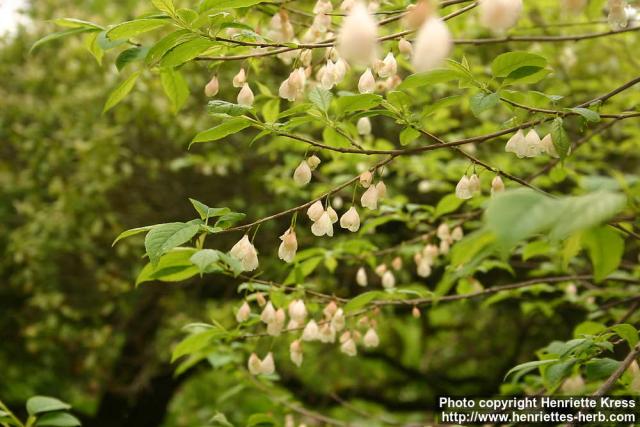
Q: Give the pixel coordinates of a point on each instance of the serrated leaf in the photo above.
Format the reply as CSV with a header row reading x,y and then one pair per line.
x,y
165,6
321,98
589,115
481,102
163,238
167,43
41,404
222,130
559,137
175,87
351,103
121,91
509,62
133,28
408,135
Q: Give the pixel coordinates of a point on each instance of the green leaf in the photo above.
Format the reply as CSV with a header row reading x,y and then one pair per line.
x,y
195,343
76,23
362,300
526,367
261,419
175,87
449,203
555,373
408,135
220,419
222,130
537,248
228,108
605,247
92,45
204,258
321,98
40,404
55,36
58,419
598,369
270,110
132,232
162,238
186,52
206,212
429,78
130,55
167,43
120,92
627,332
351,103
174,266
589,115
227,4
165,6
588,327
509,62
482,102
130,29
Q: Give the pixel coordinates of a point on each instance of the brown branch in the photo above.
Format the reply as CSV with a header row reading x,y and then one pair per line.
x,y
564,38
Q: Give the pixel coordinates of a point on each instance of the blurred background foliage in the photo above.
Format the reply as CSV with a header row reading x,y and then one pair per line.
x,y
72,324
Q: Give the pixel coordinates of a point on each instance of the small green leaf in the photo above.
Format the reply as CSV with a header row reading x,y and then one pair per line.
x,y
130,29
598,369
605,247
130,55
270,110
40,404
167,43
261,420
76,23
58,419
408,135
588,327
321,98
226,108
55,36
509,62
174,266
627,332
132,232
175,87
195,343
589,115
227,4
120,92
429,78
222,130
449,203
482,102
162,238
204,258
165,6
186,52
206,212
526,367
361,300
350,103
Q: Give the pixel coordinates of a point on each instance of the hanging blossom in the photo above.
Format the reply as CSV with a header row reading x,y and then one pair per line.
x,y
365,179
292,88
387,67
361,277
432,46
371,338
295,352
348,345
497,186
246,253
240,79
212,88
530,145
275,327
369,199
500,15
261,367
364,126
245,96
396,263
302,174
357,39
425,259
463,188
280,28
618,18
405,47
315,211
367,83
243,313
388,280
321,24
350,220
324,224
288,246
311,331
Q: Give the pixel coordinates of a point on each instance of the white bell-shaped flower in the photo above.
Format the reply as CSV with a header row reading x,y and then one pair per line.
x,y
532,144
240,79
268,314
497,186
267,366
295,352
254,364
367,83
357,39
618,18
389,66
443,232
288,246
364,126
297,311
246,253
405,47
311,331
457,234
333,215
432,46
243,313
365,179
546,146
323,6
323,226
361,277
423,267
338,320
245,96
211,89
327,334
349,347
302,174
381,188
474,183
369,199
463,188
275,327
500,15
388,280
370,338
350,220
517,144
381,269
313,162
444,247
315,211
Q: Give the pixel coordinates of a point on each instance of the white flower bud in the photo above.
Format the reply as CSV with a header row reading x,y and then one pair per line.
x,y
424,267
297,310
243,313
288,246
546,146
322,6
432,46
323,226
365,179
330,310
381,188
311,331
361,277
267,367
260,299
517,144
357,39
333,215
338,320
388,280
347,5
367,84
463,188
474,183
405,47
500,15
364,126
246,253
295,352
275,327
369,199
444,247
457,234
532,144
350,220
381,269
245,97
305,57
371,338
389,66
396,264
315,211
302,174
211,89
443,232
327,334
313,162
349,347
268,314
415,312
240,79
497,186
254,364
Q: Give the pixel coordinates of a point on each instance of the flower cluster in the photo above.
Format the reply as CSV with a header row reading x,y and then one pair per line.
x,y
530,145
